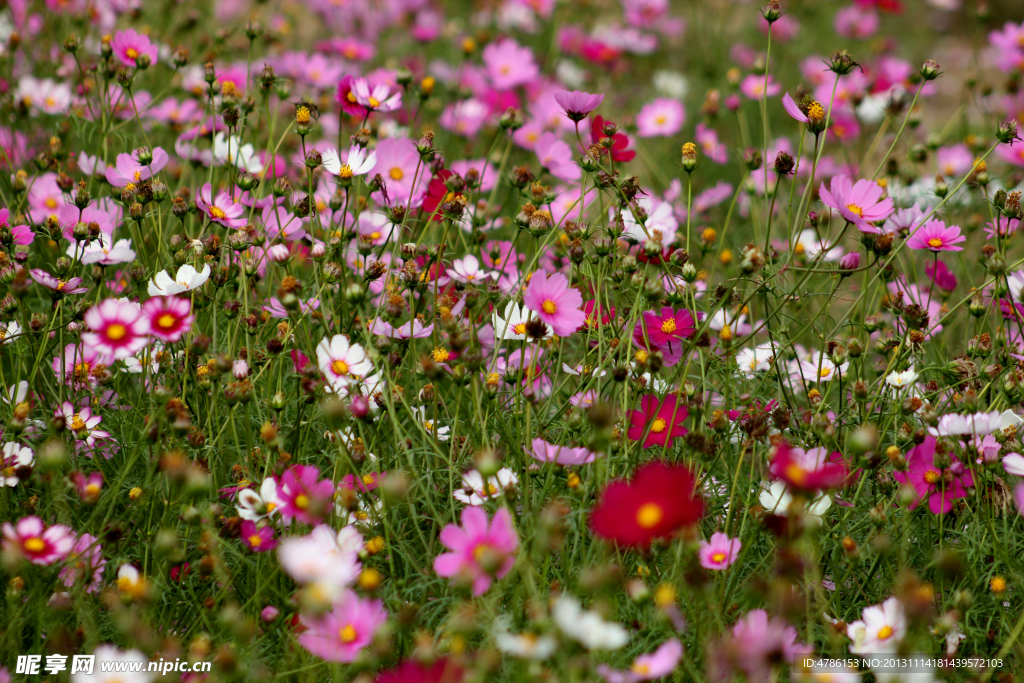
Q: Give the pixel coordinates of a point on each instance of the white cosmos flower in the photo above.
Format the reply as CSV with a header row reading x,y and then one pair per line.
x,y
586,627
9,332
757,359
776,498
880,628
359,161
901,380
825,373
476,490
525,645
974,423
325,557
467,269
809,243
103,250
255,506
14,455
116,666
185,280
230,150
341,361
513,325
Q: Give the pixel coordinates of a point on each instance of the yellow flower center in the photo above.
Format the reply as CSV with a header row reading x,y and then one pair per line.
x,y
796,474
396,173
166,321
935,243
77,423
884,632
117,332
641,669
347,634
440,355
35,544
520,328
302,501
302,115
824,372
339,367
815,111
669,326
853,208
718,558
51,203
659,119
658,426
374,102
368,479
345,171
549,307
649,515
217,213
932,477
255,541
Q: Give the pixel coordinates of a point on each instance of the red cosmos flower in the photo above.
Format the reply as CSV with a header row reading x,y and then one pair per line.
x,y
665,419
601,318
619,141
811,470
659,501
437,192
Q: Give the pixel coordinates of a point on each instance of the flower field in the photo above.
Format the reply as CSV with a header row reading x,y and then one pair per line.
x,y
451,341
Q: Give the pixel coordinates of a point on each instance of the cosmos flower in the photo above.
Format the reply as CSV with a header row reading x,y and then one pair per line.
x,y
577,105
661,421
563,455
221,210
481,550
117,328
935,237
169,317
555,302
719,552
657,502
940,479
660,118
186,279
343,632
860,203
341,361
880,628
586,627
31,539
129,45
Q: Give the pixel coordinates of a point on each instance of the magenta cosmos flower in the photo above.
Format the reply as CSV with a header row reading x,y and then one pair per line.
x,y
258,539
940,485
58,286
555,302
339,635
671,326
304,496
223,210
20,234
935,236
481,551
860,204
128,46
117,328
563,455
662,421
577,105
169,317
719,552
31,539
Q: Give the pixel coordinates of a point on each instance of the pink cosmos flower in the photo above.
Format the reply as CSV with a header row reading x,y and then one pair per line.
x,y
377,97
88,487
347,99
671,326
339,635
509,64
940,485
659,664
397,163
129,169
715,150
303,495
941,275
128,46
753,86
413,329
935,236
85,563
258,539
860,204
661,118
59,287
720,552
30,539
955,160
83,423
577,105
79,365
764,641
662,421
856,22
556,156
117,328
808,470
20,234
555,302
481,551
563,455
223,210
169,317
